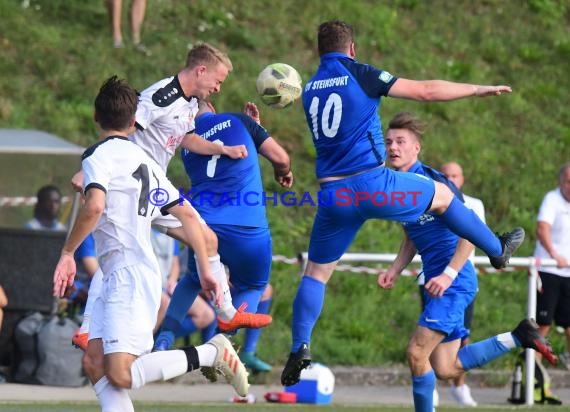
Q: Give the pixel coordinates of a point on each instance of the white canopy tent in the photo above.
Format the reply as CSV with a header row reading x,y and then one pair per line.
x,y
35,142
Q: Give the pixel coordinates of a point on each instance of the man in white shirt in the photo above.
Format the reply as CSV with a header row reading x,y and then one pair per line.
x,y
553,242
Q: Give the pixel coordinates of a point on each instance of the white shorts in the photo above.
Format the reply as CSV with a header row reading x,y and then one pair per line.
x,y
162,223
124,315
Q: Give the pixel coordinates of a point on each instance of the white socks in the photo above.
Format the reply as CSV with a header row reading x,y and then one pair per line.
x,y
112,399
227,311
157,366
506,339
207,354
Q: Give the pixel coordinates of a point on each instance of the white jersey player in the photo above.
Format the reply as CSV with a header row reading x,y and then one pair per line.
x,y
164,121
119,181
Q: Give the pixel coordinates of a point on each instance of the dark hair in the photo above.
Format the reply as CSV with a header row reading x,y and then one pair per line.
x,y
406,120
116,104
43,195
334,36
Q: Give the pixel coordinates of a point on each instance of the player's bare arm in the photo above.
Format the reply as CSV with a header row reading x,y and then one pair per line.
x,y
196,144
280,160
86,221
442,90
439,284
387,279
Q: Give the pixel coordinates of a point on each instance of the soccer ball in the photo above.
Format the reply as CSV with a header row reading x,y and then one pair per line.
x,y
279,85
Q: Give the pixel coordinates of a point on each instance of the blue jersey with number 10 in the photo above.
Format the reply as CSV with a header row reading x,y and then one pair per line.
x,y
341,105
224,190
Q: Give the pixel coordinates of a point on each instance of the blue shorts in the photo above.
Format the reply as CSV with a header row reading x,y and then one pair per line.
x,y
379,193
446,314
246,251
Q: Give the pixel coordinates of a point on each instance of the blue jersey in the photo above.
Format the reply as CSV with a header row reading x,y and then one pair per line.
x,y
341,104
85,250
434,241
224,190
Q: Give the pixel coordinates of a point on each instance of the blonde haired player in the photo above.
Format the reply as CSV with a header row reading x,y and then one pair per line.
x,y
165,121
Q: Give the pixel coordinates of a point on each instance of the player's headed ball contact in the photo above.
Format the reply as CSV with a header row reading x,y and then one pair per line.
x,y
158,197
279,85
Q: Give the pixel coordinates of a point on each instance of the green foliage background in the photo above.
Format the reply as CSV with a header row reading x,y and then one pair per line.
x,y
56,53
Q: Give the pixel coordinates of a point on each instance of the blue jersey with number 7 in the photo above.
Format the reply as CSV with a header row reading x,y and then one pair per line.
x,y
225,190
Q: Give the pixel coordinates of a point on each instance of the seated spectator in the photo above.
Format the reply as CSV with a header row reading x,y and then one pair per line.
x,y
46,210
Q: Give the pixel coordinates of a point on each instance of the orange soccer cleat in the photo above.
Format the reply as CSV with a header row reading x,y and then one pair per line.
x,y
243,319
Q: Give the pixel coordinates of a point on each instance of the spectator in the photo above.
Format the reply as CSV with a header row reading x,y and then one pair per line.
x,y
46,210
459,389
553,242
137,12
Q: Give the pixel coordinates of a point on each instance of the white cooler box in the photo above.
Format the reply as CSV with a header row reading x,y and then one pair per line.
x,y
316,385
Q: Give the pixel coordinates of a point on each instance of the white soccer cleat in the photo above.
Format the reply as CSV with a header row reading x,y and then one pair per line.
x,y
228,364
462,395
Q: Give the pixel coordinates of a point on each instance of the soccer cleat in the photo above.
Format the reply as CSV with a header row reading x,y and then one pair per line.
x,y
510,242
243,319
228,364
527,334
164,341
295,364
80,340
462,395
253,363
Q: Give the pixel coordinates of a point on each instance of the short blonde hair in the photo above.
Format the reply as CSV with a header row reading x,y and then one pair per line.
x,y
207,55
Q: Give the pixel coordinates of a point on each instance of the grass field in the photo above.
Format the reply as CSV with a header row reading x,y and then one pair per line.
x,y
176,407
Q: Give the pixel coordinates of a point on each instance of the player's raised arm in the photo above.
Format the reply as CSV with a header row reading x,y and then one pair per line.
x,y
196,144
442,90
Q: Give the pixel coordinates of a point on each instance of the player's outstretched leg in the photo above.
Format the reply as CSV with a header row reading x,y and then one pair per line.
x,y
228,364
528,336
510,242
243,319
295,364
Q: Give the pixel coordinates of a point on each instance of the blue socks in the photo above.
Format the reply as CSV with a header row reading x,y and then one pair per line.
x,y
184,295
209,331
479,353
307,308
465,223
422,388
252,335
